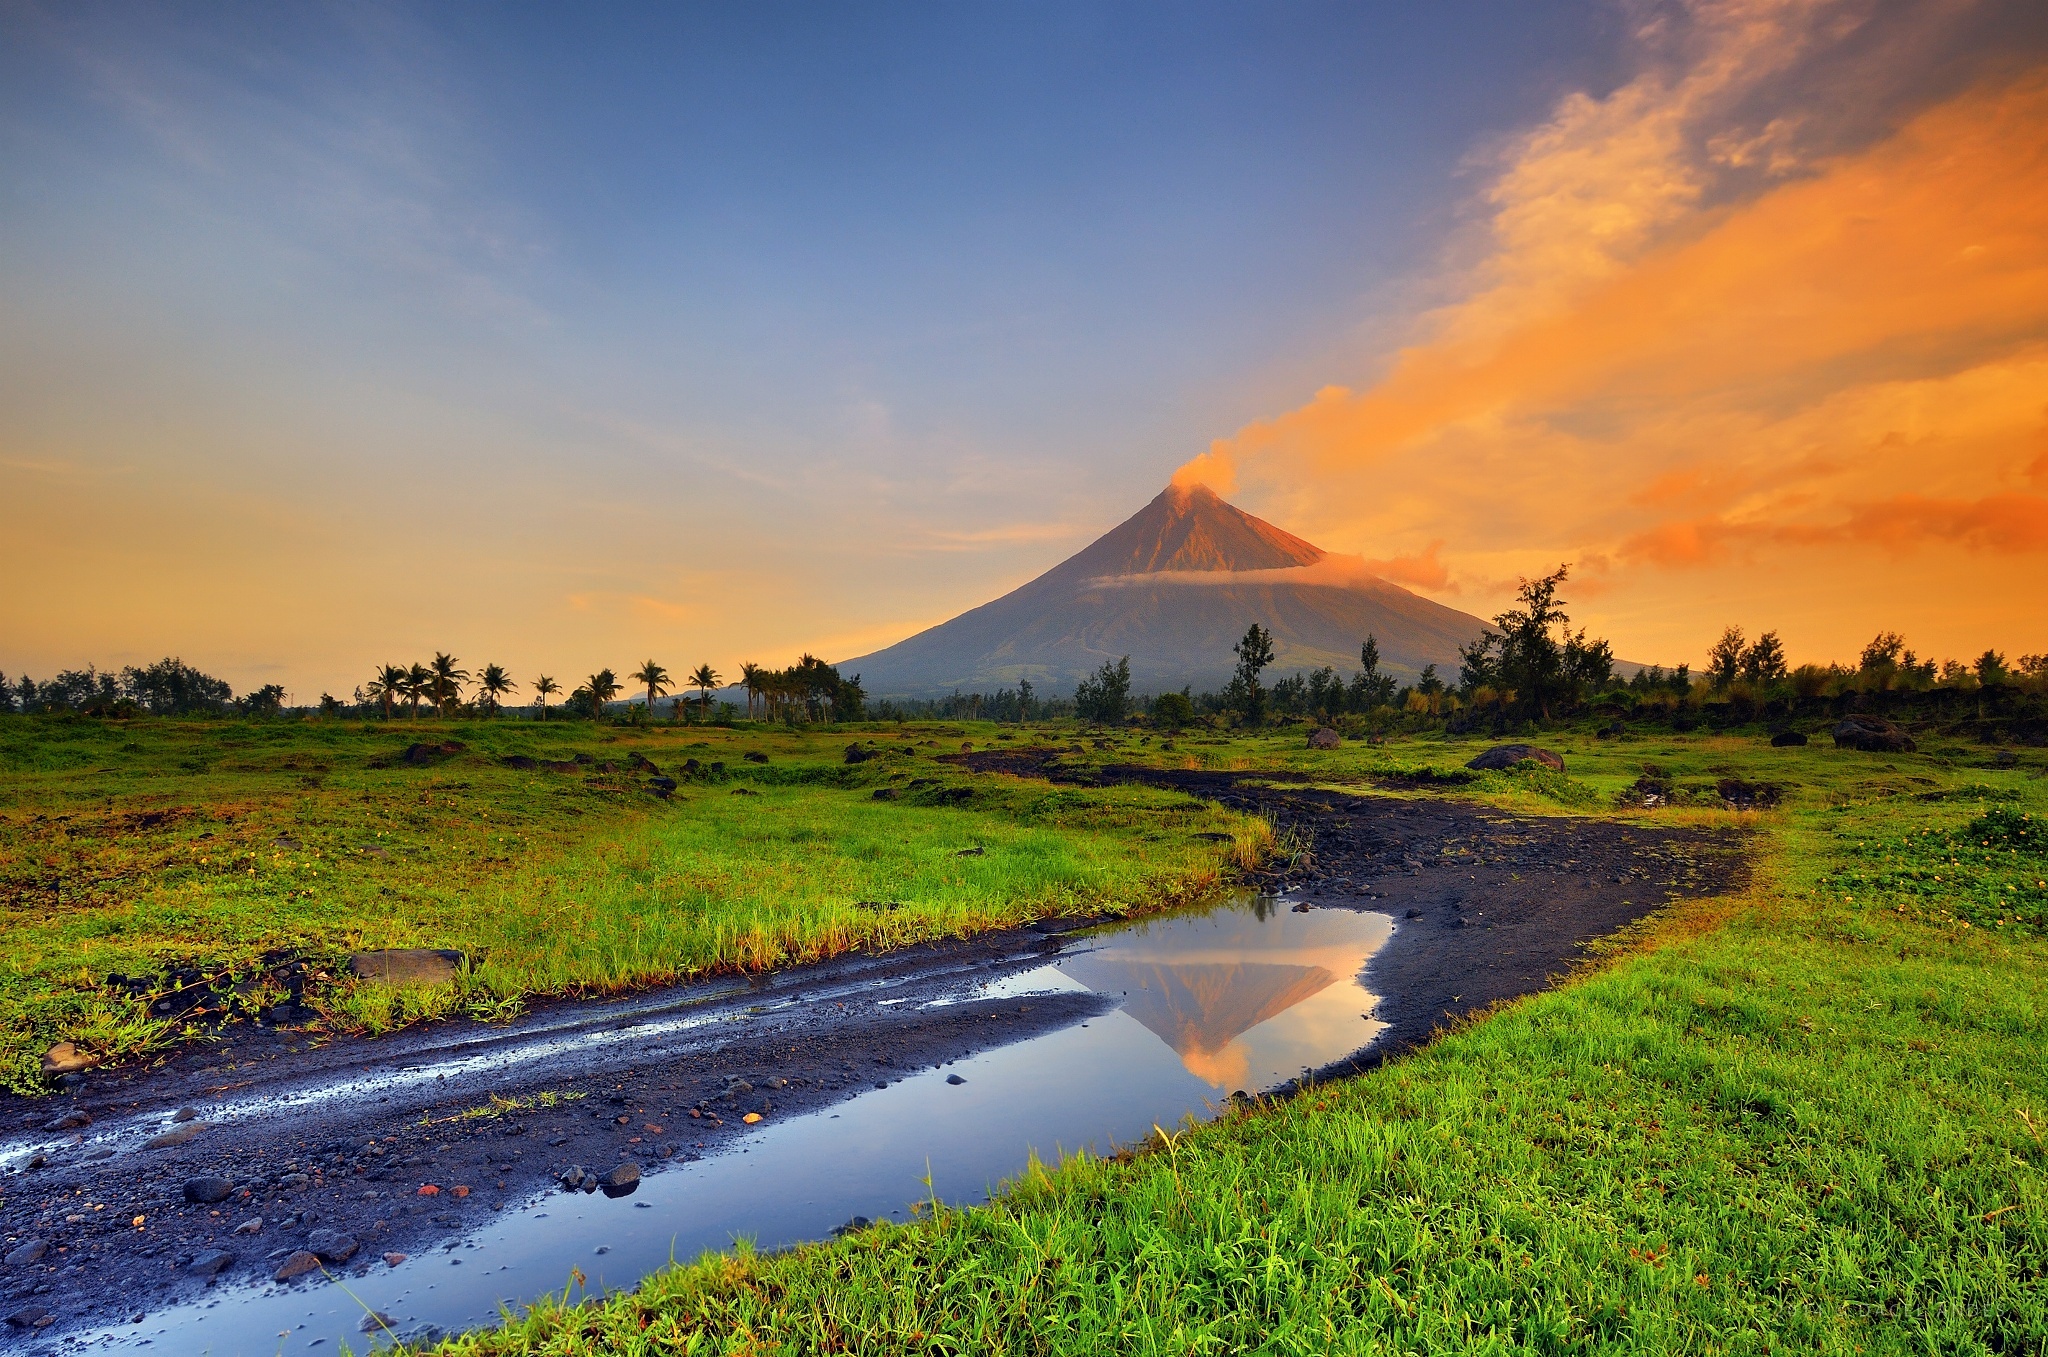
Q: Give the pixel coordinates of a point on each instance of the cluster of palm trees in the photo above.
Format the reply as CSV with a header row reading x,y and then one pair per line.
x,y
656,681
440,683
809,689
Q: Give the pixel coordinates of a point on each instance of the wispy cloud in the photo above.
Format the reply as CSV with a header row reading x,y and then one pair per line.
x,y
1651,370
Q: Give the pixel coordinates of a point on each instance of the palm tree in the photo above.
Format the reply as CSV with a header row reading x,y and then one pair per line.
x,y
544,686
418,683
446,684
750,679
388,686
494,683
704,679
602,686
654,679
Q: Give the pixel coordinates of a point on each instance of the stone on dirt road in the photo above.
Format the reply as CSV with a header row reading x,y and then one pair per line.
x,y
177,1135
331,1246
377,1322
408,965
34,1317
298,1265
205,1191
26,1252
1324,738
1508,755
211,1263
621,1181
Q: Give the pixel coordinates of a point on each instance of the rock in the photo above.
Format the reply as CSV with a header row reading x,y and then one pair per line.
x,y
211,1263
1508,755
205,1191
967,746
622,1181
885,794
419,755
177,1135
1413,914
744,791
572,1177
662,786
68,1121
26,1252
185,1114
857,754
295,1182
975,852
408,965
331,1246
756,756
1322,737
1787,739
1873,735
65,1058
394,1259
31,1317
298,1264
374,1322
254,1225
955,1079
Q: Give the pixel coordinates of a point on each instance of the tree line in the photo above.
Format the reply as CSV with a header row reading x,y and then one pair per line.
x,y
809,690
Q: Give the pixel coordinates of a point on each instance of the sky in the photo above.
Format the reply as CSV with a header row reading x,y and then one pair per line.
x,y
332,336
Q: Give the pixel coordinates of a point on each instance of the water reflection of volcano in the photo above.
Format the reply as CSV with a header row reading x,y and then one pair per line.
x,y
1199,1008
1246,998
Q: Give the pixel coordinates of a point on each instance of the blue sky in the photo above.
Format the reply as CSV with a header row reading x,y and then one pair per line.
x,y
562,336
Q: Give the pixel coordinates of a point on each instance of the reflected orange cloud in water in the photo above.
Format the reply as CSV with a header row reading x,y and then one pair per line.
x,y
1843,369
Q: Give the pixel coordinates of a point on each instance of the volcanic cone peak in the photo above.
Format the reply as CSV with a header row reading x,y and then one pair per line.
x,y
1190,528
1173,587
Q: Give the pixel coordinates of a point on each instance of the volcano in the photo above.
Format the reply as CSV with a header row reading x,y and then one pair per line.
x,y
1174,587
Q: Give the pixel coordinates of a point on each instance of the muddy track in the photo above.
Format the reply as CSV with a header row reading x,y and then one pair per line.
x,y
1493,906
348,1136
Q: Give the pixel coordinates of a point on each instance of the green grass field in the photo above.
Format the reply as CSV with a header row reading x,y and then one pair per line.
x,y
1808,1119
144,847
1812,1118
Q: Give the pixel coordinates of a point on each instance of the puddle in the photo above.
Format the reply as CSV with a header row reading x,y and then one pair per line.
x,y
1244,996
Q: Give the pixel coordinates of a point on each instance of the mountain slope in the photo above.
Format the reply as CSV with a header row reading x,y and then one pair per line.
x,y
1173,587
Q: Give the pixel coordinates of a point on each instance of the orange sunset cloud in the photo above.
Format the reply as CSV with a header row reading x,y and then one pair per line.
x,y
1854,357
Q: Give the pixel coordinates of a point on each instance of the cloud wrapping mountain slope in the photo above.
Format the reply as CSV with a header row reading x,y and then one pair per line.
x,y
1173,587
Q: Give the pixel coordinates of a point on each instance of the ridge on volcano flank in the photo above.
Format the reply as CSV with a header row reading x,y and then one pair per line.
x,y
1173,587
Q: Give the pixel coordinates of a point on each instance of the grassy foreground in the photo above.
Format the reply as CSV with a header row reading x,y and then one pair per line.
x,y
146,848
1814,1119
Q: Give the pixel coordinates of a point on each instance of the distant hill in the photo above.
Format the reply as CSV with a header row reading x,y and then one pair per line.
x,y
1173,587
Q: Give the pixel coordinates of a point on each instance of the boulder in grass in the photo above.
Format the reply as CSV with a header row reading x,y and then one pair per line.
x,y
1322,737
65,1058
408,965
1787,739
1508,755
1872,735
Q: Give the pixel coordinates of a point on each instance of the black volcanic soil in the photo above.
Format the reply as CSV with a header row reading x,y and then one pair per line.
x,y
344,1135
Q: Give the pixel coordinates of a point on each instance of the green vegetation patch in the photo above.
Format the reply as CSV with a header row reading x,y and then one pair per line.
x,y
153,861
